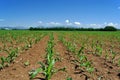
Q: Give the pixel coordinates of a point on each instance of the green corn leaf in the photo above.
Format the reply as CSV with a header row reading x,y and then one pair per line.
x,y
90,69
43,66
35,73
3,59
83,58
69,78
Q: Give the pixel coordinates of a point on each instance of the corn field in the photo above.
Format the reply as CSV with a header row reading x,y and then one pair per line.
x,y
62,55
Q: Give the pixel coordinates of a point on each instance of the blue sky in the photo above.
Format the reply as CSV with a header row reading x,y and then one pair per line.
x,y
80,13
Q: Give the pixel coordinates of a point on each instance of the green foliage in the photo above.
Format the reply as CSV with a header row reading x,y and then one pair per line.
x,y
119,62
33,73
98,51
47,69
27,63
69,78
70,46
12,39
12,55
63,28
3,60
80,51
113,55
110,28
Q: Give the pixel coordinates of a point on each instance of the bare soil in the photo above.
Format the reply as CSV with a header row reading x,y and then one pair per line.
x,y
17,70
104,70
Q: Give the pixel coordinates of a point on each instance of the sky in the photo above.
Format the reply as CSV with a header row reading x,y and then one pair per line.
x,y
77,13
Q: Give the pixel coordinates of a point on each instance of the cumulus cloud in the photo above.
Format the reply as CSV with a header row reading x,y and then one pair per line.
x,y
77,23
2,19
111,24
95,25
67,21
119,7
53,24
40,22
105,23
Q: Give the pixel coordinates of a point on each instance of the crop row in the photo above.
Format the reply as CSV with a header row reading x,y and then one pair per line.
x,y
81,47
47,68
11,45
80,60
100,45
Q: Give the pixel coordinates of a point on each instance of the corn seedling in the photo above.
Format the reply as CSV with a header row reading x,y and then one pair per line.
x,y
83,61
119,62
12,55
69,78
47,69
27,63
3,60
98,51
70,46
80,51
113,55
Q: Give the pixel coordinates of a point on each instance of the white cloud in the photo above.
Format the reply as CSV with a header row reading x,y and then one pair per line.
x,y
53,23
2,19
77,23
40,22
69,24
102,25
110,24
93,25
119,7
67,21
105,23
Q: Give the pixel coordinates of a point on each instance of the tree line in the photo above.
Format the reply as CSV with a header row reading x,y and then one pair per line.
x,y
106,28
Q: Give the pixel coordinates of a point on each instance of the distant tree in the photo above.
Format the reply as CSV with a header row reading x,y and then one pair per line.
x,y
110,28
31,28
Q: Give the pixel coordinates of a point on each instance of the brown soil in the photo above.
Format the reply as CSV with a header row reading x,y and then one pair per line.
x,y
17,70
104,70
65,62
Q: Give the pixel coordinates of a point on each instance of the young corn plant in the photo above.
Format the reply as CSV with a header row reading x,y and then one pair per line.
x,y
106,57
12,55
3,60
69,78
119,62
70,46
37,39
88,66
83,61
47,69
26,63
113,56
29,43
98,51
